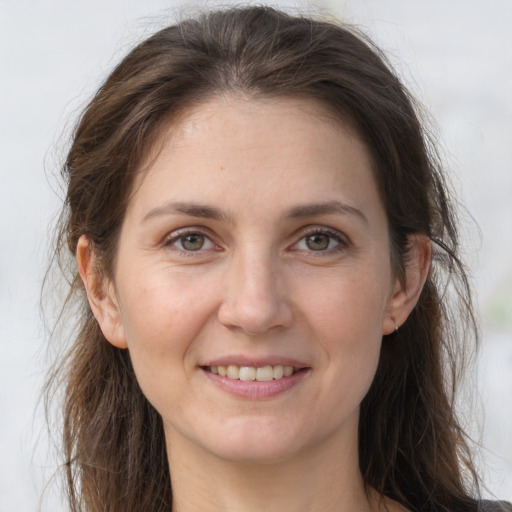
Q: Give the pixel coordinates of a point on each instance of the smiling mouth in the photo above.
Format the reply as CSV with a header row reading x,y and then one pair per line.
x,y
251,373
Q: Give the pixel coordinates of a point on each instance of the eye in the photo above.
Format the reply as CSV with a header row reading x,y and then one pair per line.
x,y
191,242
320,241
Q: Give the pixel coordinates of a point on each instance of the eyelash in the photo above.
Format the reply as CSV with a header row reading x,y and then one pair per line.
x,y
174,239
341,241
333,235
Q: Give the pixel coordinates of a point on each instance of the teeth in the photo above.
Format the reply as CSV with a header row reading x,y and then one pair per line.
x,y
265,373
261,374
233,371
279,371
247,373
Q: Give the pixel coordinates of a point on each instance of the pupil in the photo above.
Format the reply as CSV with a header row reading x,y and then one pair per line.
x,y
317,242
192,242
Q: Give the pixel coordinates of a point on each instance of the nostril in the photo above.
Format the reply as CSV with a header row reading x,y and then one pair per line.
x,y
255,298
255,318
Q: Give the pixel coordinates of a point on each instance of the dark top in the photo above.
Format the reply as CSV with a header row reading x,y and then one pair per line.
x,y
495,506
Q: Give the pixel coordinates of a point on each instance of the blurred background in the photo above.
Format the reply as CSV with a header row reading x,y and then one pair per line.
x,y
455,55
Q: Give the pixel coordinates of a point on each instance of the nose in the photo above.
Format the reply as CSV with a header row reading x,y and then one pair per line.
x,y
255,299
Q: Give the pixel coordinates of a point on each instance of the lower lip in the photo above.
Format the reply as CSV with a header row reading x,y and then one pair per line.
x,y
254,389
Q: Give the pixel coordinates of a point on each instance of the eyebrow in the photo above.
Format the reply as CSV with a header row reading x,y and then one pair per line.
x,y
329,207
212,212
190,209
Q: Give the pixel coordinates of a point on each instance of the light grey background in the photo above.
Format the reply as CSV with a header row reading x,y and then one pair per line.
x,y
455,54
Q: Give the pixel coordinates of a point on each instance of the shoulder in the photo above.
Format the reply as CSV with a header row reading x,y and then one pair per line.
x,y
495,506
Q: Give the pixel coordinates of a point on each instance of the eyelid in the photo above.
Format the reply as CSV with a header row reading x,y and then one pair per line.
x,y
173,237
340,237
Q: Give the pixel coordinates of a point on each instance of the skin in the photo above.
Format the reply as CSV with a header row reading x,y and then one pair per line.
x,y
274,279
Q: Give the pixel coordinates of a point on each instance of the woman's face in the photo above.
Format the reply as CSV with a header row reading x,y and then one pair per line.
x,y
256,242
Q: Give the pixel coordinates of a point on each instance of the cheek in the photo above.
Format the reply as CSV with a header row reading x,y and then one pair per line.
x,y
163,310
353,305
346,318
162,318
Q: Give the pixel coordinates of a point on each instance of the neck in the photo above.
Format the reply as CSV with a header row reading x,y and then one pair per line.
x,y
323,478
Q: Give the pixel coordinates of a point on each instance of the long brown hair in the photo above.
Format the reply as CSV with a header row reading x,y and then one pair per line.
x,y
411,446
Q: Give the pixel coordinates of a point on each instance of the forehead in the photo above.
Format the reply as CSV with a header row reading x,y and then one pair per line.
x,y
232,111
234,146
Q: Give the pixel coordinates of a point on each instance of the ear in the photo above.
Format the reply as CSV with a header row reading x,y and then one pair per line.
x,y
407,290
101,294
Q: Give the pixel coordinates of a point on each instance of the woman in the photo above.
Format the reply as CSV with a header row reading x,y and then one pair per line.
x,y
263,239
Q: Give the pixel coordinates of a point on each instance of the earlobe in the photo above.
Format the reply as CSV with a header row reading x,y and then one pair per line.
x,y
407,291
101,295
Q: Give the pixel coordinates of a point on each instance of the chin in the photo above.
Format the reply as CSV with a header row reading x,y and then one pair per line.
x,y
257,453
260,441
251,440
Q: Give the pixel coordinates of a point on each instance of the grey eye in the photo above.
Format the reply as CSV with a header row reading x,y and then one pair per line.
x,y
318,241
192,242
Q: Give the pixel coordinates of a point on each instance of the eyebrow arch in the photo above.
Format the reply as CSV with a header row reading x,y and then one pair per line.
x,y
311,210
190,209
211,212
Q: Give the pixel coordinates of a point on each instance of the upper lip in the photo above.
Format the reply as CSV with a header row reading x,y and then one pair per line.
x,y
256,362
